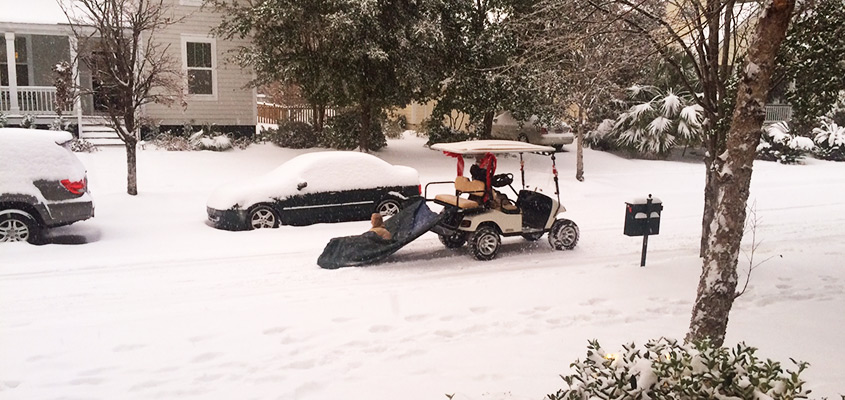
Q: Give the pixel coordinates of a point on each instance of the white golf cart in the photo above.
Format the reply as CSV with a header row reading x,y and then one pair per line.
x,y
480,214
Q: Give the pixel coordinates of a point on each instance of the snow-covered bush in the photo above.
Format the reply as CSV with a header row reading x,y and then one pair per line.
x,y
601,138
57,124
778,144
28,121
667,369
3,120
292,134
657,121
830,141
342,131
82,146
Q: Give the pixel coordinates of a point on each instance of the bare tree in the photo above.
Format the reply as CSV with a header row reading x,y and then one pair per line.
x,y
583,66
117,42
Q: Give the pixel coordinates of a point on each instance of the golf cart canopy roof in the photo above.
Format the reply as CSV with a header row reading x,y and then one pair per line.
x,y
491,146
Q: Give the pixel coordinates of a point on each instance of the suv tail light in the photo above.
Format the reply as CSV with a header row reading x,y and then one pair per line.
x,y
419,189
77,187
544,131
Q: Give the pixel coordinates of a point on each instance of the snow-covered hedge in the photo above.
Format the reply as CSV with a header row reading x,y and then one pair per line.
x,y
342,130
778,144
830,141
292,134
199,140
667,369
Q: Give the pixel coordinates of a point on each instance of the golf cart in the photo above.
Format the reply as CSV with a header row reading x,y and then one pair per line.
x,y
479,213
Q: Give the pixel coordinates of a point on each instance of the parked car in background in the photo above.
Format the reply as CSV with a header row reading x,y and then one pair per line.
x,y
505,126
316,187
42,184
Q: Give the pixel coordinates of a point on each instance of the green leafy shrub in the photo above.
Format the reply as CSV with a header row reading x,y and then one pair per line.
x,y
830,141
28,121
292,134
778,144
342,131
437,132
4,120
667,369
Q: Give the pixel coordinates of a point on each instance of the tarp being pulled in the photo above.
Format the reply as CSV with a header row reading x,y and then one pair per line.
x,y
411,222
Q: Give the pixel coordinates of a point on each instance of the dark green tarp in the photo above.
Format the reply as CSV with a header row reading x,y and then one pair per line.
x,y
414,219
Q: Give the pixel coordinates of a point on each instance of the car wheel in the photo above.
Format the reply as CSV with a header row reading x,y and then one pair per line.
x,y
388,207
532,237
454,240
18,228
263,217
522,138
563,235
485,243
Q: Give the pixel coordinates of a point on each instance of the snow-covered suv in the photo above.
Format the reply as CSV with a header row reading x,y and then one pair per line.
x,y
42,184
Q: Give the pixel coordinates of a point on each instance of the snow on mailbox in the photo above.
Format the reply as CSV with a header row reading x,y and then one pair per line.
x,y
642,216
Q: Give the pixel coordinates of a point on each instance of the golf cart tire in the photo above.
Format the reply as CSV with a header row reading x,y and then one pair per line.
x,y
564,235
485,243
453,241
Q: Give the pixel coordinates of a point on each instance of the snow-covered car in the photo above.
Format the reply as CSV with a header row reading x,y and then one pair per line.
x,y
557,134
331,186
42,184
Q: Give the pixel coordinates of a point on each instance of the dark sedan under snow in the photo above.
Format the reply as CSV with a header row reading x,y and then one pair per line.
x,y
312,188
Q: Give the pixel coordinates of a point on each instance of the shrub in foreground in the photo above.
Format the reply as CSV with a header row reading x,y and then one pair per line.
x,y
667,369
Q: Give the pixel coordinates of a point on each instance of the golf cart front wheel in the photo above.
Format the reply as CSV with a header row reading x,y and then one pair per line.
x,y
454,240
563,235
485,243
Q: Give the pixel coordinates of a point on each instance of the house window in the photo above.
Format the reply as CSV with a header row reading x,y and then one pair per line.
x,y
21,62
199,62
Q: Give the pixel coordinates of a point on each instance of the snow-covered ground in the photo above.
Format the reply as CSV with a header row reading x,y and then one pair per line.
x,y
147,301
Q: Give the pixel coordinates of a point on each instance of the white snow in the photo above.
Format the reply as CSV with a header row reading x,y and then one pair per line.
x,y
157,304
320,172
27,155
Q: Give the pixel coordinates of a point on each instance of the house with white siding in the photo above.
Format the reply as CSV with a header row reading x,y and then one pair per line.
x,y
35,36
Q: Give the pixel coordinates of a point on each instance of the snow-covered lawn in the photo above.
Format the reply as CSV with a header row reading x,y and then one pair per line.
x,y
156,304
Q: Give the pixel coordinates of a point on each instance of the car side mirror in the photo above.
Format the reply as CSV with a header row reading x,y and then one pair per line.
x,y
301,185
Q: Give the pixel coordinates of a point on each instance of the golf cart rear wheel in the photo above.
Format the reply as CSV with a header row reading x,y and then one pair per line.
x,y
563,235
532,237
485,243
454,240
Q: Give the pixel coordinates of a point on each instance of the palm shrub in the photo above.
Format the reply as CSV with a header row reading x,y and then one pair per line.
x,y
777,143
655,121
830,141
667,369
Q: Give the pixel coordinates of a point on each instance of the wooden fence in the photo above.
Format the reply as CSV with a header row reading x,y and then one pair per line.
x,y
269,113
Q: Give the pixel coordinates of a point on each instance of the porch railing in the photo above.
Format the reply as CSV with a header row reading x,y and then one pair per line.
x,y
31,99
269,113
778,112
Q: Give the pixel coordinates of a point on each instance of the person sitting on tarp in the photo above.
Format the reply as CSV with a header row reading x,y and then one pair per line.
x,y
378,229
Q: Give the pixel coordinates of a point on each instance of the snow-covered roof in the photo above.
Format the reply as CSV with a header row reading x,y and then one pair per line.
x,y
321,171
32,12
491,146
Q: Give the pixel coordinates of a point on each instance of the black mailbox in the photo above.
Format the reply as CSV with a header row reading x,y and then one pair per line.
x,y
642,216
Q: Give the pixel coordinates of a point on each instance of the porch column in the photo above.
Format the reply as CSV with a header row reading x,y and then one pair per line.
x,y
11,63
74,67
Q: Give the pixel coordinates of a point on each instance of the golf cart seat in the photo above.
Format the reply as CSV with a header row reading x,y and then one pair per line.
x,y
462,185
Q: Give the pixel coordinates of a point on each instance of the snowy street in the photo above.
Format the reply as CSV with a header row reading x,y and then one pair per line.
x,y
147,301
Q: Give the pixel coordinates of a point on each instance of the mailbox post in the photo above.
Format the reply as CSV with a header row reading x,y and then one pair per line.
x,y
642,218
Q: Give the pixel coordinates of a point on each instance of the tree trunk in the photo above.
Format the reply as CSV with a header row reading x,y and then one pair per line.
x,y
131,163
717,285
711,189
579,147
364,134
487,124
